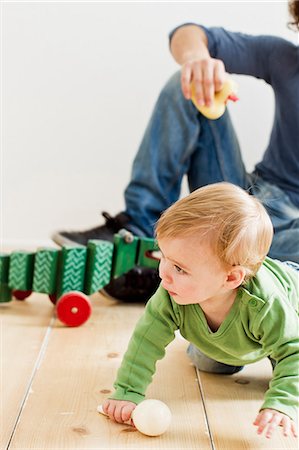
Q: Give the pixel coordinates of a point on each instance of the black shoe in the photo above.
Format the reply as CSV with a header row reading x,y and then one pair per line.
x,y
137,285
105,232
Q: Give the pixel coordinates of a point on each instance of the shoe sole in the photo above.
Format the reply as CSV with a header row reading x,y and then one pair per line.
x,y
106,295
62,241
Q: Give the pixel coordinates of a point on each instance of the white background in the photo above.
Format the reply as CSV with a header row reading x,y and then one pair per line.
x,y
78,84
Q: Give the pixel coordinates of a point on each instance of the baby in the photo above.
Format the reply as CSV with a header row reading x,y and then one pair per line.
x,y
232,303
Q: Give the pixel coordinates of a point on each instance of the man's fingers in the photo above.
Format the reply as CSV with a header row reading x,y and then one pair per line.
x,y
219,75
197,83
186,80
208,83
207,77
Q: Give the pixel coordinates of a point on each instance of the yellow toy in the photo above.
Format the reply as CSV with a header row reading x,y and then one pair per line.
x,y
228,92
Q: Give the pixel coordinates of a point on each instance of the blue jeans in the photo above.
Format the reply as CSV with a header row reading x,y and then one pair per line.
x,y
178,141
206,364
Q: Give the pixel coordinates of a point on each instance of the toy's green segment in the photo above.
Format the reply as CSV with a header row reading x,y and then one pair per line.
x,y
5,293
124,258
21,271
45,270
71,270
147,247
4,267
99,265
74,268
5,290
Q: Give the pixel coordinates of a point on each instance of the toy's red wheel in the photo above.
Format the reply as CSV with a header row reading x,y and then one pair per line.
x,y
73,309
21,295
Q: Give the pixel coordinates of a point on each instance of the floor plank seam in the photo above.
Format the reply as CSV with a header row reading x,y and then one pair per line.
x,y
205,409
37,364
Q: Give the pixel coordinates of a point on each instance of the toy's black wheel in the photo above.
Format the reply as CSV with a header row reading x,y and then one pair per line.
x,y
21,295
53,298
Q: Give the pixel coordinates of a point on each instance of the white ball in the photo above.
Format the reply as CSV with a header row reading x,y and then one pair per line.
x,y
151,417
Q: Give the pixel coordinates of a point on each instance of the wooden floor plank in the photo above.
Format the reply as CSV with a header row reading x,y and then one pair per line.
x,y
24,325
232,403
77,373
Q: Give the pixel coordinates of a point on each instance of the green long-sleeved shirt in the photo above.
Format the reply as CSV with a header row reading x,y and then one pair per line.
x,y
263,321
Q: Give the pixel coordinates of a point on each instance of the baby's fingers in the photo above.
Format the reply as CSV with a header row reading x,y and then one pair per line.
x,y
118,412
293,429
286,425
263,418
276,419
270,419
123,410
105,406
110,410
127,412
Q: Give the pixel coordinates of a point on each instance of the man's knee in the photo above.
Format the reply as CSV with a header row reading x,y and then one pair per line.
x,y
172,90
206,364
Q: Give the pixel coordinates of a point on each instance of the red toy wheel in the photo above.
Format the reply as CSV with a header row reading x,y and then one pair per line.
x,y
21,295
73,308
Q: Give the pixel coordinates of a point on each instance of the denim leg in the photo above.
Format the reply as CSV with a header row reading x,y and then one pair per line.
x,y
292,264
217,156
273,362
206,364
285,218
178,141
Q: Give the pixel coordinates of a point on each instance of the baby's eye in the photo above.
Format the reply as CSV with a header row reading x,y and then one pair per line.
x,y
178,269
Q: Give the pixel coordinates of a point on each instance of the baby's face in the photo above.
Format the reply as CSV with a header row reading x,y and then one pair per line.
x,y
190,271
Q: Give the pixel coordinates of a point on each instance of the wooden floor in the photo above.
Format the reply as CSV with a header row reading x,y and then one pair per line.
x,y
53,378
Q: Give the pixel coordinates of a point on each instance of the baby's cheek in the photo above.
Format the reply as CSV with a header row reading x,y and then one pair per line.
x,y
188,291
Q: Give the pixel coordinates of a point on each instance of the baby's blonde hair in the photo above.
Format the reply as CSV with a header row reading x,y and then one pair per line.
x,y
236,223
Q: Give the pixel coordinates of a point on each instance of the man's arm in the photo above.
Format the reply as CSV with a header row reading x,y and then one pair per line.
x,y
188,43
189,47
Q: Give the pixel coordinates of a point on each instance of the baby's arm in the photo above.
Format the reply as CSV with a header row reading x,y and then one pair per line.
x,y
276,328
269,419
118,410
153,332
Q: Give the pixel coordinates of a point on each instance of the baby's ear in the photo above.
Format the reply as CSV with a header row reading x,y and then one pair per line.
x,y
235,277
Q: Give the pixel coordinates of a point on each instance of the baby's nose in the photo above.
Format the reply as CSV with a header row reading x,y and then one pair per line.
x,y
166,280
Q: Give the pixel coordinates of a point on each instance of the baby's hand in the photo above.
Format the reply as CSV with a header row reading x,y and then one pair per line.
x,y
269,419
118,410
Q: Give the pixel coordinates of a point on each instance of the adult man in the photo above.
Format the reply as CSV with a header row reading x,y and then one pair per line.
x,y
179,140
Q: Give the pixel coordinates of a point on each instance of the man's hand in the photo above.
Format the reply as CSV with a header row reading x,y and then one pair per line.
x,y
118,410
207,76
269,419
